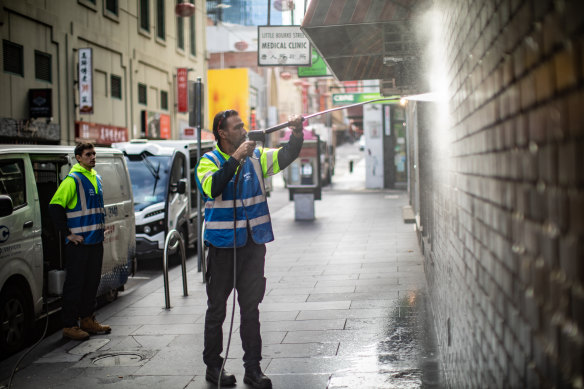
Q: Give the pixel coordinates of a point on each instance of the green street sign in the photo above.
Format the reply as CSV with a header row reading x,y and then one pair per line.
x,y
353,98
317,69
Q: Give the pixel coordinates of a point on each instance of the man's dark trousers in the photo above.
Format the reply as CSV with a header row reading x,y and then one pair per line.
x,y
81,282
251,286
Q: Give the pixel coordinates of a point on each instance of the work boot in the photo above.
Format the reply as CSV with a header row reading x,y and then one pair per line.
x,y
75,333
212,375
254,377
91,325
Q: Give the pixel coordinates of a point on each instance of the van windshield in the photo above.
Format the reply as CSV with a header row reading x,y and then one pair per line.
x,y
149,175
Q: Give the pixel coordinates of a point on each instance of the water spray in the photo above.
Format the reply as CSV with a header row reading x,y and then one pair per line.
x,y
260,135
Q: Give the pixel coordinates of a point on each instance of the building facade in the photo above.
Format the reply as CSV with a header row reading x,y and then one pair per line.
x,y
97,70
244,12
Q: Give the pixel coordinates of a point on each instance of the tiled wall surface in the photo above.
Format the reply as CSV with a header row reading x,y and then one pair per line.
x,y
506,263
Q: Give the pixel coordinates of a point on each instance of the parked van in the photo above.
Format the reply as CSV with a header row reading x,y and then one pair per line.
x,y
165,192
32,260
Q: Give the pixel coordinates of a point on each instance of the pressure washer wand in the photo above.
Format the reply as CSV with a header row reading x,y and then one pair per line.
x,y
260,135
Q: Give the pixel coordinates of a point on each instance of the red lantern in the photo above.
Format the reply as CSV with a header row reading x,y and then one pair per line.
x,y
284,5
241,45
184,10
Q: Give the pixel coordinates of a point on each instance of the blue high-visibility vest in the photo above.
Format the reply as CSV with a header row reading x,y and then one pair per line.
x,y
251,206
88,217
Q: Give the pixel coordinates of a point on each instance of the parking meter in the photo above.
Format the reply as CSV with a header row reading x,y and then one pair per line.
x,y
303,178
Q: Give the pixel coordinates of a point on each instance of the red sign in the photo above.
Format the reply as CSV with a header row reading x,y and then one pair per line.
x,y
101,134
164,126
183,88
157,125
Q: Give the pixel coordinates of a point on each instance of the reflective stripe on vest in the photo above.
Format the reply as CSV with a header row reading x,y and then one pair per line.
x,y
270,162
252,207
88,217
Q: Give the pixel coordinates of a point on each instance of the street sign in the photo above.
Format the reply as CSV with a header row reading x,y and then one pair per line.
x,y
283,46
352,98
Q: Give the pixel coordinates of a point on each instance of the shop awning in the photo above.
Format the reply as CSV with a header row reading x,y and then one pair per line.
x,y
366,39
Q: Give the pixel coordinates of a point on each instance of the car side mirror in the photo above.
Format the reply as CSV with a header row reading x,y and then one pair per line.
x,y
6,206
182,186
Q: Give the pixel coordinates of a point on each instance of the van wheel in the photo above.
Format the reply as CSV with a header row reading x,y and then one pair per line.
x,y
15,320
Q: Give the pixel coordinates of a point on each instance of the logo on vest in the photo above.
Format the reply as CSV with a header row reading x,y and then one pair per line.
x,y
247,176
91,192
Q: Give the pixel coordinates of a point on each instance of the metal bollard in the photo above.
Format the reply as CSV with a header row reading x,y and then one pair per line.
x,y
165,266
350,166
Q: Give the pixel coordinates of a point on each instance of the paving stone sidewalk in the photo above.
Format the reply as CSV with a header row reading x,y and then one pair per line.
x,y
345,307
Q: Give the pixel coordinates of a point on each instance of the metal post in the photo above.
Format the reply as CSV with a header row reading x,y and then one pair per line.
x,y
269,10
165,266
198,125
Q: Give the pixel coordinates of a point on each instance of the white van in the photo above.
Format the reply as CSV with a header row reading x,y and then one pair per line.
x,y
31,252
165,192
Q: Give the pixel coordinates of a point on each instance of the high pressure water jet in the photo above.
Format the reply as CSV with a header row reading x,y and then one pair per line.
x,y
260,135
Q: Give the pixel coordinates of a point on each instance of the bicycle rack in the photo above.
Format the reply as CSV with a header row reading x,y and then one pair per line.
x,y
165,266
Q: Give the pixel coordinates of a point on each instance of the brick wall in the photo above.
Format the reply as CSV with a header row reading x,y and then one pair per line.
x,y
504,239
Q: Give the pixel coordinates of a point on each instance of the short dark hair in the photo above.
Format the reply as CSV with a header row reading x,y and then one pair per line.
x,y
220,120
81,147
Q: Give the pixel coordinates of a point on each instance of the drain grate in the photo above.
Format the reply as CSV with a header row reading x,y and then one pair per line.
x,y
118,359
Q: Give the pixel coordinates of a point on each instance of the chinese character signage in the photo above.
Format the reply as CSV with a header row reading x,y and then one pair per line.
x,y
101,134
283,45
183,89
85,81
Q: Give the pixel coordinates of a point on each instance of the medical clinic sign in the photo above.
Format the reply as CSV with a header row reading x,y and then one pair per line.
x,y
283,45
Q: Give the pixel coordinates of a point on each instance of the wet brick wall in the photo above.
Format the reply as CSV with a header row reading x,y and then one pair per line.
x,y
506,263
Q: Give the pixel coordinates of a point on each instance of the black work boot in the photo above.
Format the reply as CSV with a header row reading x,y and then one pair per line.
x,y
212,375
254,377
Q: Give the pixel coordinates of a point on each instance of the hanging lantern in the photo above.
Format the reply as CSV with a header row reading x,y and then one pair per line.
x,y
241,45
284,5
184,10
285,75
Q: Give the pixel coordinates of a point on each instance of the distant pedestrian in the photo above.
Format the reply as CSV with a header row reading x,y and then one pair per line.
x,y
78,213
236,160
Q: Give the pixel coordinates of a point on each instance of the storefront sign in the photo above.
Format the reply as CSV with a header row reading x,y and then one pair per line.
x,y
353,98
317,69
183,89
40,103
157,125
283,45
101,134
85,81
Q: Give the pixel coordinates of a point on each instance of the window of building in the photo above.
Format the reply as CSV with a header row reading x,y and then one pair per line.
x,y
164,100
42,66
13,58
112,6
192,40
145,15
142,94
160,28
116,86
180,31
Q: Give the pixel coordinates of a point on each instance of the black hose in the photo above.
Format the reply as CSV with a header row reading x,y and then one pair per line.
x,y
234,276
33,346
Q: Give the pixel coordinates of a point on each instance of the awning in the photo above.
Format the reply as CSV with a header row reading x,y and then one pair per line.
x,y
366,39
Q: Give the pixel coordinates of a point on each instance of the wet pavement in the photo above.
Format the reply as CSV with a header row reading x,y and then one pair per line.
x,y
345,307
